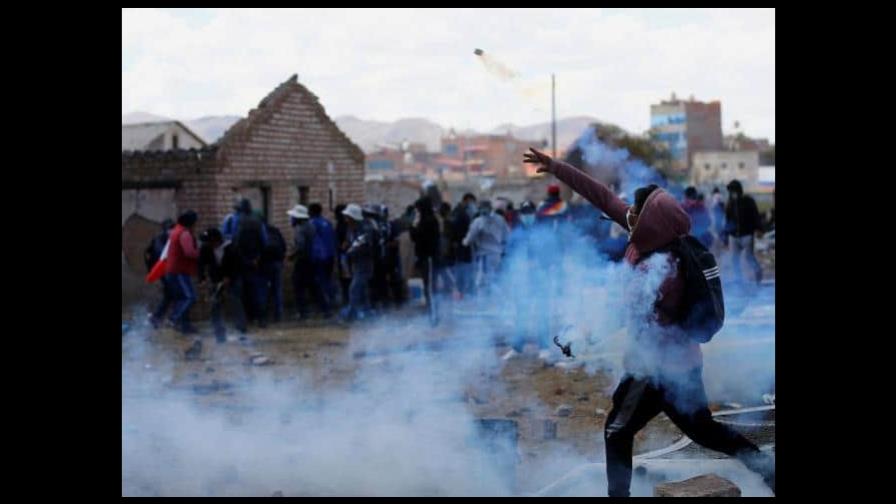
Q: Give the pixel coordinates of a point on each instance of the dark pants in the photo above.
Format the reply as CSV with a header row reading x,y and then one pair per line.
x,y
345,278
274,275
184,298
307,278
427,272
379,289
233,297
256,289
322,272
168,296
683,399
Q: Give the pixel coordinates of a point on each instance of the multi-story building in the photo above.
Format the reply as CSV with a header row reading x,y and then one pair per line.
x,y
687,127
499,156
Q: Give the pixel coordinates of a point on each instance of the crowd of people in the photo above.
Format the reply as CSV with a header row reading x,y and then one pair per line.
x,y
353,267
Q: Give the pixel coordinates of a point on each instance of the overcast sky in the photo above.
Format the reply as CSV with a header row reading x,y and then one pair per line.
x,y
386,64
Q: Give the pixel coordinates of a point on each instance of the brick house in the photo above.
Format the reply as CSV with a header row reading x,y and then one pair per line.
x,y
286,151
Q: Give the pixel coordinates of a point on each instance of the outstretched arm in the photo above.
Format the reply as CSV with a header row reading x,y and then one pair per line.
x,y
590,188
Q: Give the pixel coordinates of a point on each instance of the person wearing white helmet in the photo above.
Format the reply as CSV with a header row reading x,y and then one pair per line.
x,y
303,236
360,254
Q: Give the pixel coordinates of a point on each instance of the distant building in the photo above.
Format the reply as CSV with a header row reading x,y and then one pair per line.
x,y
717,168
741,142
687,127
499,156
159,136
410,161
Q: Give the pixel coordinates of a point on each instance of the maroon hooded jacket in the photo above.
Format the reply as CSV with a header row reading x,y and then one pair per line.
x,y
660,221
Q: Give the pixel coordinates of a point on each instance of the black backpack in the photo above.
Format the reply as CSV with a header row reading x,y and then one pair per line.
x,y
275,251
703,310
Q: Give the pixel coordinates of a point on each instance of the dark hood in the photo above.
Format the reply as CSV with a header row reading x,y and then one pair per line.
x,y
661,220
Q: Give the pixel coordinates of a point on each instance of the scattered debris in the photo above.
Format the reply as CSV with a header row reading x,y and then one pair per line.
x,y
558,391
260,360
705,485
510,355
211,388
600,412
582,397
564,410
194,351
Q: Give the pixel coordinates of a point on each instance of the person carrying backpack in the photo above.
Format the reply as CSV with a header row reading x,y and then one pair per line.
x,y
663,363
272,258
323,257
251,239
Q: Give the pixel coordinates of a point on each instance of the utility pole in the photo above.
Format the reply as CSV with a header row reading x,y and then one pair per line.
x,y
553,118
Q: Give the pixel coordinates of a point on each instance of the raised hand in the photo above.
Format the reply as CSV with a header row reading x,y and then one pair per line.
x,y
539,158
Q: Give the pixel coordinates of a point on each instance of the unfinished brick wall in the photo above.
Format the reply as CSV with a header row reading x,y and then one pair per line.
x,y
287,142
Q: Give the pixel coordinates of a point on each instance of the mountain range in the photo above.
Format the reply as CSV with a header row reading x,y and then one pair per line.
x,y
370,135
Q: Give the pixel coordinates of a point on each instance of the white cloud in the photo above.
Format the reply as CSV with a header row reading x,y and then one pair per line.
x,y
390,63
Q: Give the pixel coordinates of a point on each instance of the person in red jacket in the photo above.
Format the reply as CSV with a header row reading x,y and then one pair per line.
x,y
663,366
183,260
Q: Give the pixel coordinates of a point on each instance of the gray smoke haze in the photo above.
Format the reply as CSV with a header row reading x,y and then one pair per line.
x,y
401,425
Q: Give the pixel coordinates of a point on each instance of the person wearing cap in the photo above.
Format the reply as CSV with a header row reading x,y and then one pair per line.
x,y
487,237
219,267
742,222
302,274
553,209
183,255
151,255
359,251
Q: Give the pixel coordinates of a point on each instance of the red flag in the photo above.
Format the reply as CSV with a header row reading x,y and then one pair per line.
x,y
158,270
